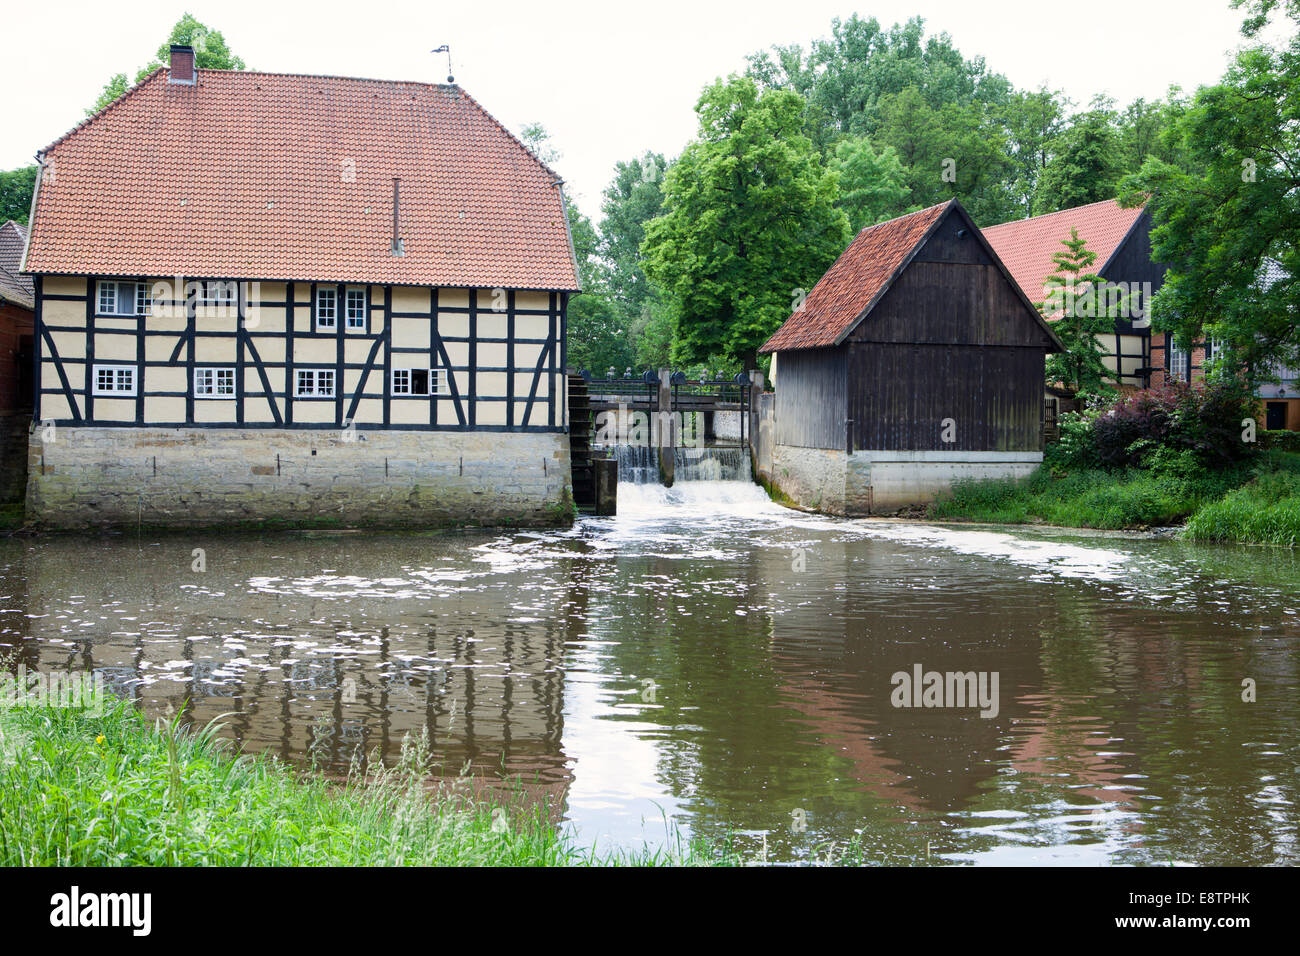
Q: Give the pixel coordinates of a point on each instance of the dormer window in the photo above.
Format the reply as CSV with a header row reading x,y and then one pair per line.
x,y
121,298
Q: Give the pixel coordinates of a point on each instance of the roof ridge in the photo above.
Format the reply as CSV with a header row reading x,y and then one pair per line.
x,y
914,212
1059,212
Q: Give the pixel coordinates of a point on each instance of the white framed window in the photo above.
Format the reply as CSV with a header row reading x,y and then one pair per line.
x,y
214,383
327,308
313,383
356,308
216,292
1178,360
417,381
115,380
121,298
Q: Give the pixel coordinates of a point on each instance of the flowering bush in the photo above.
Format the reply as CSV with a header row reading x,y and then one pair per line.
x,y
1203,420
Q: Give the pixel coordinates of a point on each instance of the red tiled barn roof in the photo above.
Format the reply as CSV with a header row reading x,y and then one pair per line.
x,y
1027,246
14,287
273,176
854,281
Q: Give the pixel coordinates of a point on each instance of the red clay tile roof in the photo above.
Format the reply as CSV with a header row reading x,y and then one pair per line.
x,y
854,282
14,287
273,176
1027,246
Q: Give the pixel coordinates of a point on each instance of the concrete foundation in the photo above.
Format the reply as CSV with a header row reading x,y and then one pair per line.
x,y
205,477
884,482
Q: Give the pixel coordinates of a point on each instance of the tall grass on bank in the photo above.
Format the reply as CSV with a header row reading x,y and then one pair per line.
x,y
109,790
1265,511
1082,499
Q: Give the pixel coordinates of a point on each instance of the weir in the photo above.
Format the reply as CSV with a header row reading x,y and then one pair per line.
x,y
639,464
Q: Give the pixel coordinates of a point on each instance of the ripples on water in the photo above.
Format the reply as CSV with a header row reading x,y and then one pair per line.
x,y
713,662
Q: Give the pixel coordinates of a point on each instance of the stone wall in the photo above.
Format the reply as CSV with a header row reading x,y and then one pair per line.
x,y
882,482
885,482
810,477
203,477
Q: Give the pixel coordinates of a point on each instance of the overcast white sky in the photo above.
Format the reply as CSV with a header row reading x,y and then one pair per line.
x,y
608,79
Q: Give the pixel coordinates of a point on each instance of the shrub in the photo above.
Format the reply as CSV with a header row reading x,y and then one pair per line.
x,y
1075,448
1280,440
1203,419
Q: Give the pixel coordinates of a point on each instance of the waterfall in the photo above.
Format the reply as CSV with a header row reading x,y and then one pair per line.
x,y
639,464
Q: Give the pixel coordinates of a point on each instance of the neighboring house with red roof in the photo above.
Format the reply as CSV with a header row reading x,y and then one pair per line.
x,y
1121,240
17,314
915,361
278,298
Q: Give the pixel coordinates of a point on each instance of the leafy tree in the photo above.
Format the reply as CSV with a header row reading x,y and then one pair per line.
x,y
1142,128
952,151
598,334
749,219
538,140
872,184
633,198
1226,220
1085,167
210,53
16,187
1033,122
1072,293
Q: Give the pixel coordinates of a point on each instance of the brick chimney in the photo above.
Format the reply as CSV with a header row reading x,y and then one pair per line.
x,y
182,65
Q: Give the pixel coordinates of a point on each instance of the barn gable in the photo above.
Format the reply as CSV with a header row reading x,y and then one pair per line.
x,y
919,259
953,290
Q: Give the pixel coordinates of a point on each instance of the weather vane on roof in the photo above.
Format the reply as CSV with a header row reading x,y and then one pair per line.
x,y
447,50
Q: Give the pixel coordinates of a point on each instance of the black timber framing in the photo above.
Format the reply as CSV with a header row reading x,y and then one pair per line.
x,y
184,355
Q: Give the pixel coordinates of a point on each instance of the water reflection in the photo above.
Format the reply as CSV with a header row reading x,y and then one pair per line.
x,y
710,661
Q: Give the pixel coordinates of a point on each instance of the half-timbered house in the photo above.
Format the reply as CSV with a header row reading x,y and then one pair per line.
x,y
265,298
1136,355
1121,240
915,361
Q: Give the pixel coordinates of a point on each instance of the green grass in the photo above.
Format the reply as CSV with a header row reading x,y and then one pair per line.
x,y
1085,499
1259,503
110,790
1265,511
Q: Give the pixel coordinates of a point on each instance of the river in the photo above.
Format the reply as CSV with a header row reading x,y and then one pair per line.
x,y
709,663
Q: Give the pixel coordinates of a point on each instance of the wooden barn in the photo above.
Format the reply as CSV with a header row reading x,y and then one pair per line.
x,y
17,306
914,362
267,299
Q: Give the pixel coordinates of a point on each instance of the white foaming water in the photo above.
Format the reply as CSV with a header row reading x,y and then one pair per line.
x,y
653,512
687,500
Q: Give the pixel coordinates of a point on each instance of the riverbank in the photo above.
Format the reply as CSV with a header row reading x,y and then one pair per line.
x,y
1258,503
111,790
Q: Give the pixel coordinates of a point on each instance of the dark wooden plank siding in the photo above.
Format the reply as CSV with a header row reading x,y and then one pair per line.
x,y
1131,263
900,395
810,398
953,304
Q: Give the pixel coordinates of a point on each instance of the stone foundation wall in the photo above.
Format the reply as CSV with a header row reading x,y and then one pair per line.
x,y
810,477
884,482
201,477
881,482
